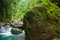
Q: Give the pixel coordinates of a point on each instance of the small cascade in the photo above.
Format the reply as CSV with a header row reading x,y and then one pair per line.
x,y
2,30
6,33
5,30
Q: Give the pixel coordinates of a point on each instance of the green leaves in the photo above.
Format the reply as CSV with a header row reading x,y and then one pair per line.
x,y
13,9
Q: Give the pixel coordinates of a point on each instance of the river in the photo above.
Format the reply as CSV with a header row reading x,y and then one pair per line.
x,y
5,34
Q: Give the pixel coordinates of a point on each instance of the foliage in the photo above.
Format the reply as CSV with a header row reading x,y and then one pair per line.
x,y
13,9
57,2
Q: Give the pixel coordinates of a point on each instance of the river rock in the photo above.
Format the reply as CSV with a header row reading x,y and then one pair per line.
x,y
17,23
16,31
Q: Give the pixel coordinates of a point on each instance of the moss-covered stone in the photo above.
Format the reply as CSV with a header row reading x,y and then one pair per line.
x,y
42,21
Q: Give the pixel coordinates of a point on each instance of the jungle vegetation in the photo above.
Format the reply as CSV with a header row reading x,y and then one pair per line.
x,y
13,9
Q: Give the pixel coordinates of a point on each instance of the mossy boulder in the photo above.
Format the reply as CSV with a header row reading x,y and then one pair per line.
x,y
42,22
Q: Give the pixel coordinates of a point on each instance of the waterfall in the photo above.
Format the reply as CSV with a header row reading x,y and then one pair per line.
x,y
5,30
2,29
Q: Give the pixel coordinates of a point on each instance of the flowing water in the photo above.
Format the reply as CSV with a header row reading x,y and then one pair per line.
x,y
5,34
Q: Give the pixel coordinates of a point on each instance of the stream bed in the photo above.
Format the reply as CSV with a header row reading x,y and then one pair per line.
x,y
8,36
5,34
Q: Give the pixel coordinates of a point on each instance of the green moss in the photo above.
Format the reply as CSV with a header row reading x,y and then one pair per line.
x,y
42,21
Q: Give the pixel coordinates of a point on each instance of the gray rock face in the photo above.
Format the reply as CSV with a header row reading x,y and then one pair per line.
x,y
16,31
17,23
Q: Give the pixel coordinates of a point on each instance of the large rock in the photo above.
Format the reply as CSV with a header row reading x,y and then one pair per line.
x,y
17,23
16,31
42,21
